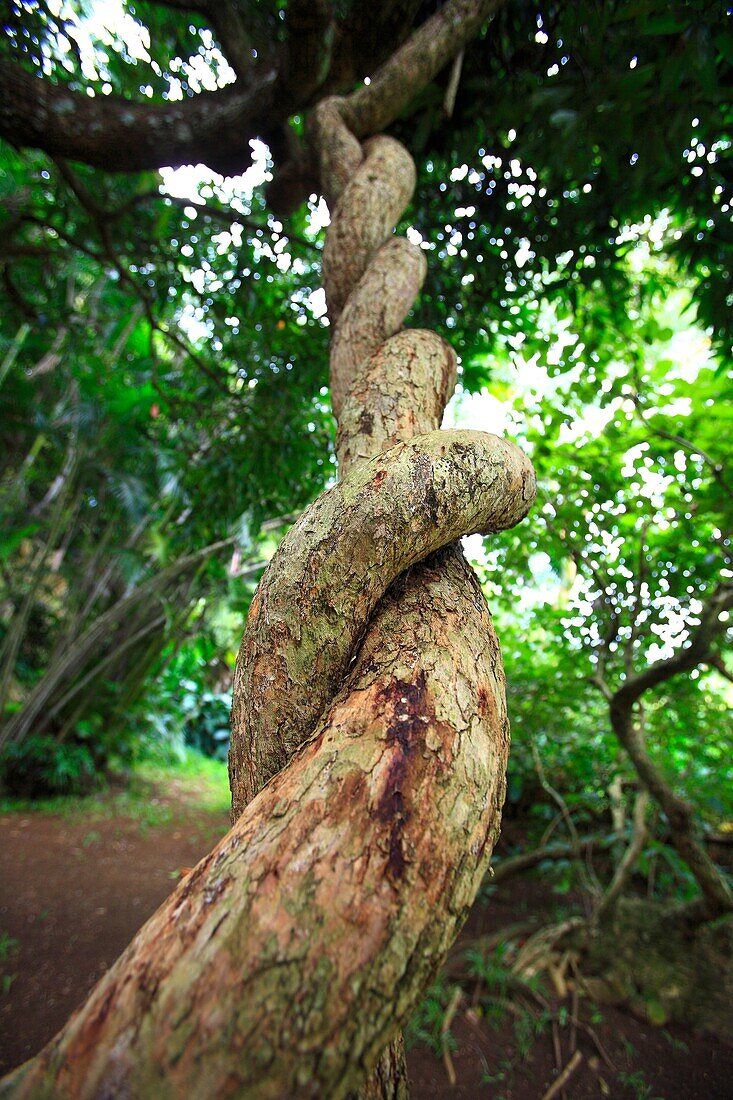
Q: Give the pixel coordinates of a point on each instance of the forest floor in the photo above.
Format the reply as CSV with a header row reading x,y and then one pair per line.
x,y
78,881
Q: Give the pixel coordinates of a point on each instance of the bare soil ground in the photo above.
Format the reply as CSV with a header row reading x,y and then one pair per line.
x,y
74,887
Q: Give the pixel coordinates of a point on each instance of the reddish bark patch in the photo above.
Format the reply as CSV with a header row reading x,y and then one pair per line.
x,y
352,788
391,808
88,1038
406,706
487,704
378,478
410,710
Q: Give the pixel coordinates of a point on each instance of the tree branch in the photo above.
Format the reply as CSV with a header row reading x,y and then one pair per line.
x,y
309,26
376,105
716,661
526,861
120,135
717,897
101,218
226,19
628,862
598,681
364,35
641,576
717,469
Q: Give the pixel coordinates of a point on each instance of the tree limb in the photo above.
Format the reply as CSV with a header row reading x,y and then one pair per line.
x,y
101,217
717,897
716,661
525,861
226,19
717,469
120,135
309,26
435,43
362,35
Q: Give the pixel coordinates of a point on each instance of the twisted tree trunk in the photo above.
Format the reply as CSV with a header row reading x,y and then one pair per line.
x,y
369,733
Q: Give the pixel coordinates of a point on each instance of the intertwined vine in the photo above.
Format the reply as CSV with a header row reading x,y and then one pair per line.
x,y
406,489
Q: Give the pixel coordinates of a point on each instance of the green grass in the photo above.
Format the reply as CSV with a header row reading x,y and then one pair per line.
x,y
636,1081
151,794
8,948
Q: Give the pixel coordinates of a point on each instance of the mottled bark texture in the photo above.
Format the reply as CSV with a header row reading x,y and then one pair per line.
x,y
286,963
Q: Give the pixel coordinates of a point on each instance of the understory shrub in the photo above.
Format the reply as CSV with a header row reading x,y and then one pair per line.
x,y
41,767
207,726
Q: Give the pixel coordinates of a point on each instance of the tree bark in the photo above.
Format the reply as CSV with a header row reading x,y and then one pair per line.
x,y
289,958
386,386
286,961
335,564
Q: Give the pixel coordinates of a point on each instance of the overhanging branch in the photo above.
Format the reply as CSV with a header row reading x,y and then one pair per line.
x,y
216,128
120,135
377,104
225,17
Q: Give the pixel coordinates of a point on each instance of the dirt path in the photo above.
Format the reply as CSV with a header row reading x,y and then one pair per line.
x,y
73,892
74,889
